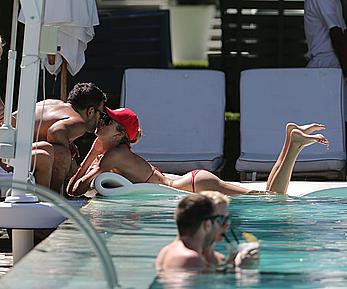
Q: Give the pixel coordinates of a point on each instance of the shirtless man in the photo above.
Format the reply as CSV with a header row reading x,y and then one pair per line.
x,y
198,228
119,128
62,123
195,218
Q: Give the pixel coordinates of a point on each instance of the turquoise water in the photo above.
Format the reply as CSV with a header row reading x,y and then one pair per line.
x,y
303,240
303,244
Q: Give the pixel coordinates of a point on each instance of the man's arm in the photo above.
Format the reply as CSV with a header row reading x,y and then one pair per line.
x,y
339,41
65,131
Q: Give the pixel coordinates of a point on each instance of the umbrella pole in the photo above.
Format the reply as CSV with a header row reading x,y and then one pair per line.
x,y
7,132
12,56
63,80
22,241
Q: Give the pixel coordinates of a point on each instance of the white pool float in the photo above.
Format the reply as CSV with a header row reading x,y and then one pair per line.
x,y
110,184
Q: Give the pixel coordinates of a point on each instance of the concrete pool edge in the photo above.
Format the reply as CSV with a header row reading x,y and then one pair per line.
x,y
55,260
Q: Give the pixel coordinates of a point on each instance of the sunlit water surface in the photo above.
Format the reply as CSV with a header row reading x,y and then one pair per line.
x,y
303,244
303,240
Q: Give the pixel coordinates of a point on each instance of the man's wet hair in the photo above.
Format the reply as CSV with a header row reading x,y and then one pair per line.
x,y
191,212
85,95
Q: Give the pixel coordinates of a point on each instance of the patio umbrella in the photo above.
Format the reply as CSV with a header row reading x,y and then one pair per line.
x,y
76,20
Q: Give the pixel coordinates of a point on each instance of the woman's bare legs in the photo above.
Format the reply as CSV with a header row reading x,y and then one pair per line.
x,y
297,141
307,129
297,137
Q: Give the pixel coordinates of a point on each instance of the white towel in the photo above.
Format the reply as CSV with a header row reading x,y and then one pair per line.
x,y
76,20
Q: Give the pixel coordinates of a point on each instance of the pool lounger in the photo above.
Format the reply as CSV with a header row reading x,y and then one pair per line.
x,y
300,95
189,105
110,184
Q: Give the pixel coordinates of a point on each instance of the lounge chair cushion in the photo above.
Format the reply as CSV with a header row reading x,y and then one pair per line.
x,y
181,113
272,97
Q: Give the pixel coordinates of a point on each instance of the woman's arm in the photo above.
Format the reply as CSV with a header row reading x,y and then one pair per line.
x,y
80,181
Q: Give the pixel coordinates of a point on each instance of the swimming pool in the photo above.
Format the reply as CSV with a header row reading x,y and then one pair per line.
x,y
303,245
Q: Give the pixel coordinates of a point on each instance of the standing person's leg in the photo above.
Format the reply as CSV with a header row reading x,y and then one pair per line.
x,y
307,129
297,141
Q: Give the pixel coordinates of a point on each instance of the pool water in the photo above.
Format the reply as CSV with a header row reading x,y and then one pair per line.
x,y
303,244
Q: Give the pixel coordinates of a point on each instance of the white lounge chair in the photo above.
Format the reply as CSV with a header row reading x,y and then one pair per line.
x,y
272,97
181,113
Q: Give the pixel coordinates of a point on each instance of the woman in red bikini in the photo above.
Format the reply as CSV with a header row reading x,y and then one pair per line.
x,y
119,128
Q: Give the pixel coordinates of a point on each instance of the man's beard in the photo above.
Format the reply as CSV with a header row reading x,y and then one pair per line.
x,y
92,125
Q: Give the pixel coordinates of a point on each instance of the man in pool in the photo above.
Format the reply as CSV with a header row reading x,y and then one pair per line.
x,y
199,224
195,218
119,128
60,124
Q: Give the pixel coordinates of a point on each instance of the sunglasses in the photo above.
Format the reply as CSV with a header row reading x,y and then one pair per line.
x,y
104,116
221,220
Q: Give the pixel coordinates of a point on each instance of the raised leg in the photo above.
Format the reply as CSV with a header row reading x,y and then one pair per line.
x,y
297,138
297,141
307,129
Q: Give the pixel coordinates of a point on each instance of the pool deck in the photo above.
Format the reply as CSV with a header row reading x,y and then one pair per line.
x,y
67,255
6,258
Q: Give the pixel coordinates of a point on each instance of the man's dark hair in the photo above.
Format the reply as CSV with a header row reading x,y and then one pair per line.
x,y
190,213
84,95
